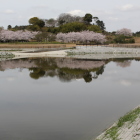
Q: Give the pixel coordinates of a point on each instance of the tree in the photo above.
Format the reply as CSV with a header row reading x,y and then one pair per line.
x,y
36,73
65,18
37,21
84,37
33,27
124,31
72,27
33,20
94,28
95,19
87,77
99,23
8,35
51,22
1,28
87,18
9,27
45,36
124,36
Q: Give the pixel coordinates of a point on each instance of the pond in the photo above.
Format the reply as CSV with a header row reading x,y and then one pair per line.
x,y
63,98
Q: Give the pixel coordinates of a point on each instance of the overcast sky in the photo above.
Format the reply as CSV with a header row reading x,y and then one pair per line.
x,y
116,14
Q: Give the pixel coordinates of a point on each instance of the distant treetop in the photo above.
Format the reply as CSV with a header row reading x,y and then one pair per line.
x,y
125,32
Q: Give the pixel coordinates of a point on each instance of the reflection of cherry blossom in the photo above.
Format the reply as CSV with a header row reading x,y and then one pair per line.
x,y
124,64
60,62
12,64
6,35
79,64
84,36
125,32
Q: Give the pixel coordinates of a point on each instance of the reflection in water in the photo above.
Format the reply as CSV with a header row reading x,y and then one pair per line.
x,y
65,69
124,64
47,109
12,64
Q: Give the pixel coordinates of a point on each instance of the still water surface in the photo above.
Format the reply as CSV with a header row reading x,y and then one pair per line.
x,y
64,99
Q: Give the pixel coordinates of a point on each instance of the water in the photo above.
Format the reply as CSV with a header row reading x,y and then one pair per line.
x,y
65,99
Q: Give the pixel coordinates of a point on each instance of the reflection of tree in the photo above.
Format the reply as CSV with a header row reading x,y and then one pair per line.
x,y
78,64
20,63
87,77
124,64
65,69
101,70
36,73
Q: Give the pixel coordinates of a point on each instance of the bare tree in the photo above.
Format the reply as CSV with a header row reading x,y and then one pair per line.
x,y
68,18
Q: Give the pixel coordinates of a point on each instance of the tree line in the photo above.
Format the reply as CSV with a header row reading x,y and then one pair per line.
x,y
66,23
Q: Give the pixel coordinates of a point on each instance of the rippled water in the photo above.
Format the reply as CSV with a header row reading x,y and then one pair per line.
x,y
65,99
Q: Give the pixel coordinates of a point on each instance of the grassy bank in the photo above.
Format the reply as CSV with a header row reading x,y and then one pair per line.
x,y
120,129
33,43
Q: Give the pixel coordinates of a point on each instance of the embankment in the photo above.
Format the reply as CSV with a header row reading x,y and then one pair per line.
x,y
126,128
135,45
37,45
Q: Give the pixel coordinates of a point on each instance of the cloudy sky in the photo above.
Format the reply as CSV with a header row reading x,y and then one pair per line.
x,y
116,14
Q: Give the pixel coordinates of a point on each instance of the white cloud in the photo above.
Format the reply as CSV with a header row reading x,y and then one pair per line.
x,y
77,12
126,83
8,11
129,7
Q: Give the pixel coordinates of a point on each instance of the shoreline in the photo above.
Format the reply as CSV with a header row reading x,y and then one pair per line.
x,y
79,52
126,128
36,45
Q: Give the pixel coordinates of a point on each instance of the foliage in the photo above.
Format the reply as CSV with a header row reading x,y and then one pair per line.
x,y
72,27
94,28
1,28
54,30
87,18
36,21
130,117
45,37
137,34
36,73
99,23
9,27
33,28
123,39
16,28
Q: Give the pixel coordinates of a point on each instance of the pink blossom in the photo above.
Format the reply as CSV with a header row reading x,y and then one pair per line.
x,y
84,36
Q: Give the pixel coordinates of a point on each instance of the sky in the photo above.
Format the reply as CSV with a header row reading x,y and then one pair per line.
x,y
116,14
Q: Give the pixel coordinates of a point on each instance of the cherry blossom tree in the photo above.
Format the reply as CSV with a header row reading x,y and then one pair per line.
x,y
125,32
84,36
7,35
